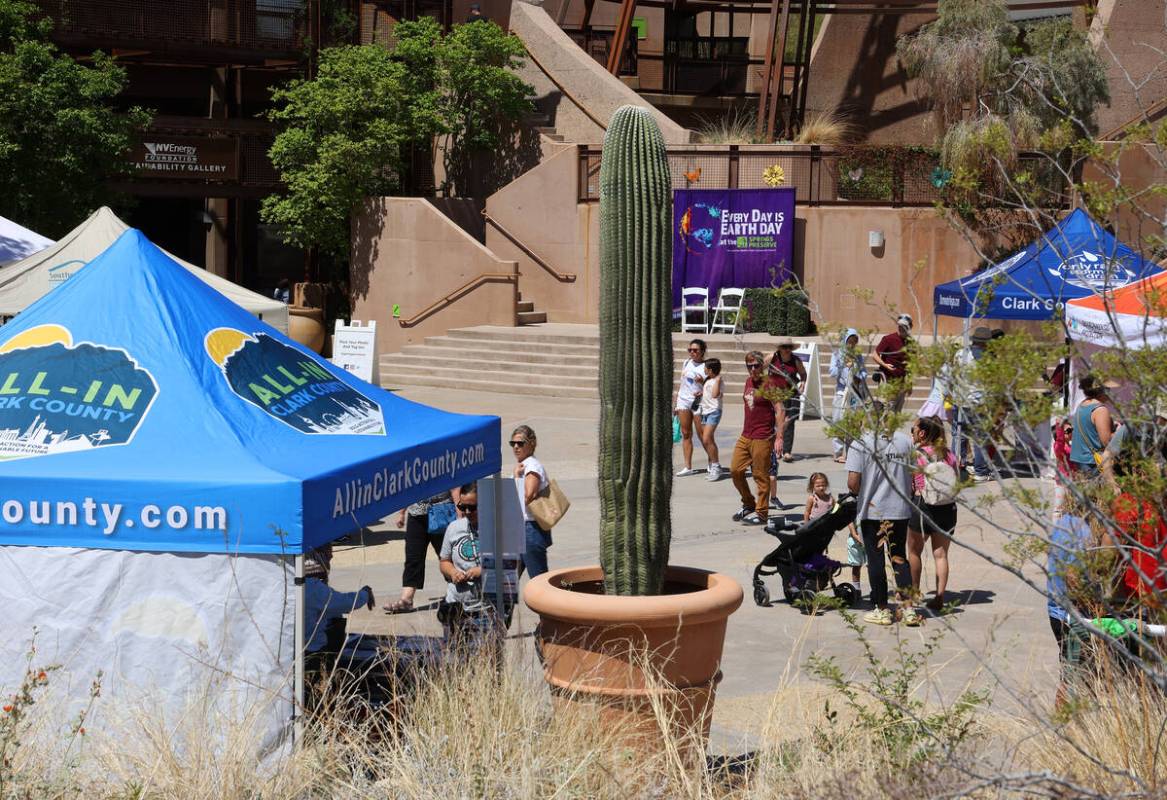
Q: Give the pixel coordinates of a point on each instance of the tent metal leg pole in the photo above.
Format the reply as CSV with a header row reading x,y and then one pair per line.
x,y
496,488
298,661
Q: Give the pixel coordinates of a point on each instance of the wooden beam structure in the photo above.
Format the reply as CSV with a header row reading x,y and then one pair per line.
x,y
767,68
620,35
779,71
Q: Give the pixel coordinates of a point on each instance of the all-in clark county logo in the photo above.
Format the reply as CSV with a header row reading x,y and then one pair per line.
x,y
60,397
291,386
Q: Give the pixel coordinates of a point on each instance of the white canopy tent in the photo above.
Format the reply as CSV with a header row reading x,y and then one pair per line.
x,y
17,242
24,282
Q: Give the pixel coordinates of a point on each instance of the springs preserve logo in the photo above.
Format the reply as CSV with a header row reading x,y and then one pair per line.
x,y
289,386
60,397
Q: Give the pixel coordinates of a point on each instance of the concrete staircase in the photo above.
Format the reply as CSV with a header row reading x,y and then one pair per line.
x,y
560,360
527,314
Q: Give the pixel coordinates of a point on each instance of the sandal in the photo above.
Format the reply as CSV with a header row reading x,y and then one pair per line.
x,y
840,459
398,607
789,459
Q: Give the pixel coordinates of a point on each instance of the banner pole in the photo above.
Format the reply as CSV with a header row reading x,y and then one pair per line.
x,y
496,490
298,661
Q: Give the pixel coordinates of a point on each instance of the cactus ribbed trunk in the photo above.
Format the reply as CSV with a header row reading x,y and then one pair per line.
x,y
636,355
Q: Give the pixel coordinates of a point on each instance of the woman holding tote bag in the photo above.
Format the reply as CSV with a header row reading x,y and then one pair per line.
x,y
531,482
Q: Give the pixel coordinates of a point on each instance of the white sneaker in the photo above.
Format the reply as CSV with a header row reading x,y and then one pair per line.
x,y
686,472
714,472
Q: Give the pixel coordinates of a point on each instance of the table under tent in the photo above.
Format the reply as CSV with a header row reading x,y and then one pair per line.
x,y
24,282
17,241
166,460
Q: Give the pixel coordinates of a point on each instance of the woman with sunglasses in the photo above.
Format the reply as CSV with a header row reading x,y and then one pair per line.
x,y
530,480
689,401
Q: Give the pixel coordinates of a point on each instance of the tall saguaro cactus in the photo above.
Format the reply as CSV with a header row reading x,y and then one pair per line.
x,y
636,355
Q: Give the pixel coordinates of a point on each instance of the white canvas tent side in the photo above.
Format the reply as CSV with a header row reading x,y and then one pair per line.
x,y
24,282
17,242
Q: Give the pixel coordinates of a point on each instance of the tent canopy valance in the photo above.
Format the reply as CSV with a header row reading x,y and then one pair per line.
x,y
142,410
1076,258
24,282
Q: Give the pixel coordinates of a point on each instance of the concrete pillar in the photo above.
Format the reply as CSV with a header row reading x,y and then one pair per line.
x,y
218,249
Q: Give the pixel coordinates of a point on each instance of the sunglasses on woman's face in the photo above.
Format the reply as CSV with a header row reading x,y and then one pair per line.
x,y
517,442
694,349
752,365
466,508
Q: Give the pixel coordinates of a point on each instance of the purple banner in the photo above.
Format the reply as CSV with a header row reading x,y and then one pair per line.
x,y
741,238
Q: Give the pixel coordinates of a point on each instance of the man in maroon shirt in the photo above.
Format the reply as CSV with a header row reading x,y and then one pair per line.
x,y
763,397
891,354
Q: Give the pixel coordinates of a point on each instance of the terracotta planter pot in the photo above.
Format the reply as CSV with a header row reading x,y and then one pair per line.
x,y
306,326
596,647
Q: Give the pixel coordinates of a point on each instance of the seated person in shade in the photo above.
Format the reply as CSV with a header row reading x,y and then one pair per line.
x,y
325,609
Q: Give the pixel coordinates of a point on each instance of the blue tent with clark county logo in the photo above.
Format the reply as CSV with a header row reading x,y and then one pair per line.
x,y
1076,258
165,459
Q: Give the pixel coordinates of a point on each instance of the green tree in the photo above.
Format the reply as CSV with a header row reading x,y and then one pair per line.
x,y
482,100
61,137
353,131
343,139
996,88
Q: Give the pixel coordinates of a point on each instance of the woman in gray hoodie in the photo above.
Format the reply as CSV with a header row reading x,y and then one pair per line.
x,y
850,374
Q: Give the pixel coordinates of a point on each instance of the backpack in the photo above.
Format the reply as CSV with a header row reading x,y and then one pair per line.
x,y
939,482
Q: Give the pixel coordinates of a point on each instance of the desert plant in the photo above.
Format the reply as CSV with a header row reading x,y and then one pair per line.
x,y
735,127
636,355
826,129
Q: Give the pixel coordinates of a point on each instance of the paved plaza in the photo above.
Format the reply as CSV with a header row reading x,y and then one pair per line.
x,y
999,624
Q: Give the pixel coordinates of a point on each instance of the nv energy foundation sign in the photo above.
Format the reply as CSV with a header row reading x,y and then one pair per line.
x,y
739,238
185,158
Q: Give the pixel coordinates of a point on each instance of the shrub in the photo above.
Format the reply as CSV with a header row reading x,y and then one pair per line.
x,y
781,311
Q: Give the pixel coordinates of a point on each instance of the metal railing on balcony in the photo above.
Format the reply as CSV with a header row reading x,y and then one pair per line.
x,y
825,176
268,26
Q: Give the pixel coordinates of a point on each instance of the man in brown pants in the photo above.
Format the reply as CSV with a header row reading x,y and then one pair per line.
x,y
764,417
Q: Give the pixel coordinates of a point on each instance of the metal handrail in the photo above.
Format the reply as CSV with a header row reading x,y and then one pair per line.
x,y
562,277
447,299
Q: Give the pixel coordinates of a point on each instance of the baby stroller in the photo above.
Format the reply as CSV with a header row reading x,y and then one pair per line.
x,y
801,557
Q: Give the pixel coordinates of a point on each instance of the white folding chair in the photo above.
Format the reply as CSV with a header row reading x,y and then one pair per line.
x,y
702,306
727,315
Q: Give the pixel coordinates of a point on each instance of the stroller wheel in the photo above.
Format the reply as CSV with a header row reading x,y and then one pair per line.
x,y
761,594
846,592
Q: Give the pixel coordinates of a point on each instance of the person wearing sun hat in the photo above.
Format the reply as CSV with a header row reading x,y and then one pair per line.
x,y
891,354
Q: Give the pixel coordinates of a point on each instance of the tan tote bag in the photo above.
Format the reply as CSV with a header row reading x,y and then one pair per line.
x,y
549,507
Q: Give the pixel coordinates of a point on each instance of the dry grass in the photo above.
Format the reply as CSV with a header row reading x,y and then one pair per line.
x,y
736,127
826,129
472,731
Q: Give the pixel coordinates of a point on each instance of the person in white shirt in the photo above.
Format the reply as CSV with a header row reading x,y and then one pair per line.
x,y
711,400
689,401
530,481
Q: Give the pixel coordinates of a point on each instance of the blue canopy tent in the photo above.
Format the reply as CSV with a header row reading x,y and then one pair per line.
x,y
1076,258
166,458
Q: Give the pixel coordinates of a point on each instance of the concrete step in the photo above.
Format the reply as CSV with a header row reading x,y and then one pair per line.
x,y
393,381
512,350
498,371
492,333
523,306
531,317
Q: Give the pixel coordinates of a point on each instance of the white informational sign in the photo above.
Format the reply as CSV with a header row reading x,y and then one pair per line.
x,y
354,348
811,402
499,512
